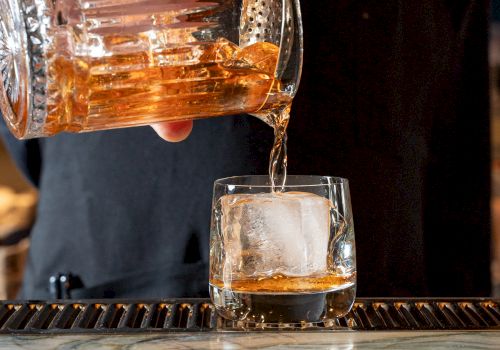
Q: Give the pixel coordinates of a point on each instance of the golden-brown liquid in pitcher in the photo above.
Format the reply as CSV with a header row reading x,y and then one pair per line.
x,y
144,87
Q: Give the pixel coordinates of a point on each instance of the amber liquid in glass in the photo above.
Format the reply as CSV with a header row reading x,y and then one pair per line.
x,y
287,299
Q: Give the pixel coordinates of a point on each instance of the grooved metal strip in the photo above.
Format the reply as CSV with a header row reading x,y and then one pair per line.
x,y
108,316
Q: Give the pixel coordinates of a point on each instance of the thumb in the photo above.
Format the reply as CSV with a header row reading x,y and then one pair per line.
x,y
173,131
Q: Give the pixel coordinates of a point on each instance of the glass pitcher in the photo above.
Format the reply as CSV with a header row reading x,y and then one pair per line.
x,y
84,65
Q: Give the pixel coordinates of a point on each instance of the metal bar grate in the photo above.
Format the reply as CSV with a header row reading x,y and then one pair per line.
x,y
199,315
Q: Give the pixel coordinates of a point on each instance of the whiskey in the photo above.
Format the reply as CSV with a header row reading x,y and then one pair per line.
x,y
285,299
283,284
71,65
144,87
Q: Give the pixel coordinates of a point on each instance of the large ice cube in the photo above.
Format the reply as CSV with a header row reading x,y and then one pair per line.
x,y
275,233
263,56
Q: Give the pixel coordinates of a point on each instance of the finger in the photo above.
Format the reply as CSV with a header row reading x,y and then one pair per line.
x,y
173,131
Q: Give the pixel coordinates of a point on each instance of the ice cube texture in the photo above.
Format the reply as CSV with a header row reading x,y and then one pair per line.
x,y
275,233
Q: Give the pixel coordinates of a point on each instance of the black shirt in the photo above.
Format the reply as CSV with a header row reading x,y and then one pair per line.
x,y
394,97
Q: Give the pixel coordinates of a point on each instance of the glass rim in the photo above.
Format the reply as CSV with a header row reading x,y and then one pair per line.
x,y
292,181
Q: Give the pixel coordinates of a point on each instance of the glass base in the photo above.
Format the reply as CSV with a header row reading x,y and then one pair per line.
x,y
268,310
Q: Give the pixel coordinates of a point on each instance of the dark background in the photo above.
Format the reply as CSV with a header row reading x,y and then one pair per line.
x,y
395,93
495,10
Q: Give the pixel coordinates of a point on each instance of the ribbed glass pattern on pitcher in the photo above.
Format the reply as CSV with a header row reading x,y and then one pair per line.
x,y
122,63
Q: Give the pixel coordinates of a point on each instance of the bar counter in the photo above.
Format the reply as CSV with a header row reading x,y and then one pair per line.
x,y
269,340
381,323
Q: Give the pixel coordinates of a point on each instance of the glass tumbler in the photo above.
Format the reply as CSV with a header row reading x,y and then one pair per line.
x,y
282,257
83,65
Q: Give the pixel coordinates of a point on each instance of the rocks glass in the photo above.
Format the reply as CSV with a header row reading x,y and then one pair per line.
x,y
282,257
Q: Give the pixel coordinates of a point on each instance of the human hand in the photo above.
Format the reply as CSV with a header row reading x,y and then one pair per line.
x,y
173,131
